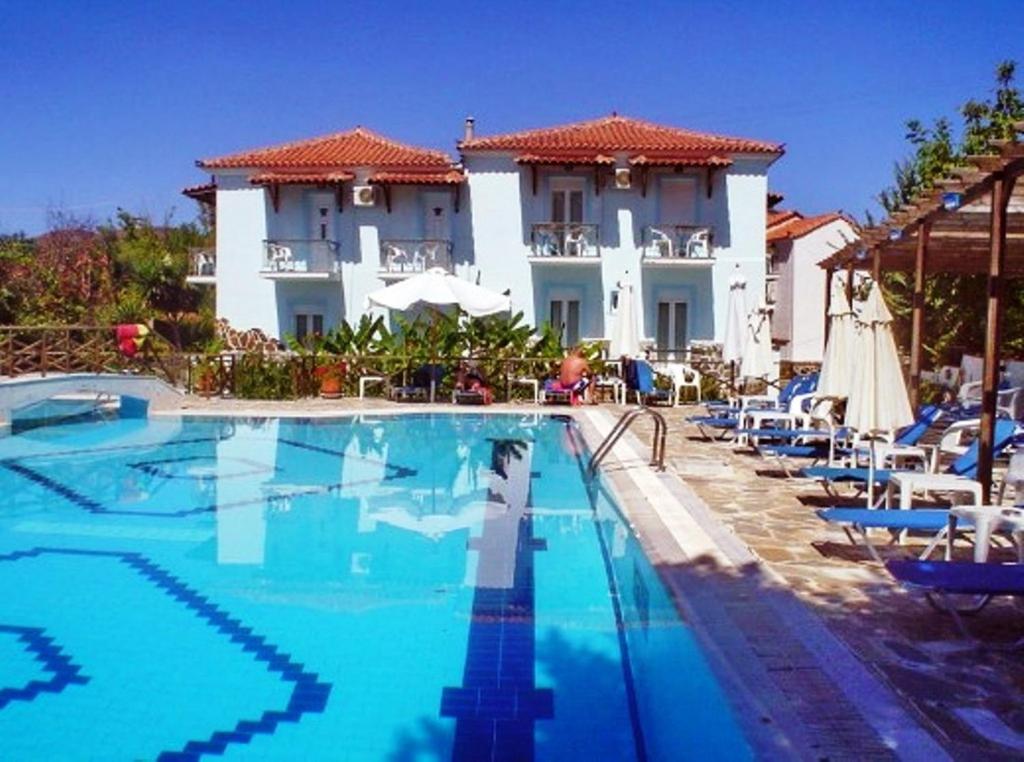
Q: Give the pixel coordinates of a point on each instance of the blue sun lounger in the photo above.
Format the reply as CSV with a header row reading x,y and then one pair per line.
x,y
965,465
940,579
725,418
934,521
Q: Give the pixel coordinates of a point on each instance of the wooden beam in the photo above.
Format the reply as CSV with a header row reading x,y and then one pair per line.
x,y
993,334
458,196
917,314
387,196
275,196
828,302
849,282
876,265
533,178
339,196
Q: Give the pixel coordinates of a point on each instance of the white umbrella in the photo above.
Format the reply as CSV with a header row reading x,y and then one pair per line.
x,y
837,366
441,288
625,339
735,319
878,401
756,361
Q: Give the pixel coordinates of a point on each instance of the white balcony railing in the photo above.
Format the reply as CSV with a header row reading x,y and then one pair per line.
x,y
407,256
300,257
678,242
567,240
202,265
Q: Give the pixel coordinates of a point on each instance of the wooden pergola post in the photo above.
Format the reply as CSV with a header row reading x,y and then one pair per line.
x,y
917,314
1001,190
849,282
876,265
828,301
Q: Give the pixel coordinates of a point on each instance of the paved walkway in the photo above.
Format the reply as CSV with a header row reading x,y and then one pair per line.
x,y
963,694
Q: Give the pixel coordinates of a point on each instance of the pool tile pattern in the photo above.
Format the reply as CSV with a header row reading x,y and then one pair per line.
x,y
309,694
62,670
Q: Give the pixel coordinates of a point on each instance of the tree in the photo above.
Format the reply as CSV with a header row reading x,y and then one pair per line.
x,y
955,305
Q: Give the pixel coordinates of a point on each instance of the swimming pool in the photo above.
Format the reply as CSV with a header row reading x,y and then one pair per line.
x,y
414,587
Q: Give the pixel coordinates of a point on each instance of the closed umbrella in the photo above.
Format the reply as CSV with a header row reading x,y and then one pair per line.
x,y
878,401
837,366
441,288
735,321
756,361
625,338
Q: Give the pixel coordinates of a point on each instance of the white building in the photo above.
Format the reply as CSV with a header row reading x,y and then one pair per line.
x,y
796,285
557,216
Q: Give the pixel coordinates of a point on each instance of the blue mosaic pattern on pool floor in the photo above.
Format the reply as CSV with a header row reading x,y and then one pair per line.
x,y
64,672
309,695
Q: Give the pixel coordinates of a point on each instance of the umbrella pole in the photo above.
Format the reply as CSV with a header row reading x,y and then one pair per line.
x,y
871,473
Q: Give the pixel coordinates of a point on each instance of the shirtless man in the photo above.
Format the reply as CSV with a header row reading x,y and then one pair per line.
x,y
574,369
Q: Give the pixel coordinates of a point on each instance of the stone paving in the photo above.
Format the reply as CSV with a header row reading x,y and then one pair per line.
x,y
966,695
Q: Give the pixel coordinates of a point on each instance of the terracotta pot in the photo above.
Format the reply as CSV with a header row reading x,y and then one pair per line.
x,y
330,387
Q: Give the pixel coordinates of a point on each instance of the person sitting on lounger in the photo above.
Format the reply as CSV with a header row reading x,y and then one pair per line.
x,y
573,378
471,385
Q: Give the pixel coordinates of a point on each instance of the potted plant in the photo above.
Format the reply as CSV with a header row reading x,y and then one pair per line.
x,y
331,377
206,381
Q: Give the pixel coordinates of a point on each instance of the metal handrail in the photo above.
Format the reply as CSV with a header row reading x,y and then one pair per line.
x,y
657,445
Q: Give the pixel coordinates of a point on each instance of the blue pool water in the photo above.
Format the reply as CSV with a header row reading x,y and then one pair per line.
x,y
403,588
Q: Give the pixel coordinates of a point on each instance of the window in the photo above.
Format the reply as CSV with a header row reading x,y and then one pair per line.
x,y
671,336
565,318
323,223
307,324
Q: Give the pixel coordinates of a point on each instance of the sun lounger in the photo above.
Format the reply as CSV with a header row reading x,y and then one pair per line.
x,y
941,579
966,465
425,381
934,521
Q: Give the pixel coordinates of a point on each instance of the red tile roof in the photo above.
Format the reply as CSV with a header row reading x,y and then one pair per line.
x,y
200,192
618,134
300,178
784,225
448,177
356,148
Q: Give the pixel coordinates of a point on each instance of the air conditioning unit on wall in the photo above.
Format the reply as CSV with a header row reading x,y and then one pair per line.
x,y
623,178
364,195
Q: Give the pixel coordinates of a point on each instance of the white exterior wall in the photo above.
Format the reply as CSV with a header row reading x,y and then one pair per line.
x,y
245,299
800,306
491,238
504,208
246,217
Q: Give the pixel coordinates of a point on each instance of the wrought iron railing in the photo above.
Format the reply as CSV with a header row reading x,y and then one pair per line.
x,y
399,256
565,239
678,241
301,255
202,263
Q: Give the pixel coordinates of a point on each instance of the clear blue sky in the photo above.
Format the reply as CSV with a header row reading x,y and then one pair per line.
x,y
109,104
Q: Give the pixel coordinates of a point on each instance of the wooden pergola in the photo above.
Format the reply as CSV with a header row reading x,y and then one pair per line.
x,y
971,222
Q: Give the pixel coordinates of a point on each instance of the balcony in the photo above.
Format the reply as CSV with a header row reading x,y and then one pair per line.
x,y
402,257
565,243
202,267
301,259
678,246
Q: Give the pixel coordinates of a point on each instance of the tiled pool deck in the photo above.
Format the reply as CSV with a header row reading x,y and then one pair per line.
x,y
828,658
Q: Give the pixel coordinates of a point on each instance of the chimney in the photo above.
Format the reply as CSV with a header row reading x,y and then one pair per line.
x,y
468,133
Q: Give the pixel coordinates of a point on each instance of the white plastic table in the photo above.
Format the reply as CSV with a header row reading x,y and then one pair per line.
x,y
531,382
987,519
366,380
917,481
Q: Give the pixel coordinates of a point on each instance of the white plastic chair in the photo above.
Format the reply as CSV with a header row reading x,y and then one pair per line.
x,y
662,243
280,257
575,244
698,244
